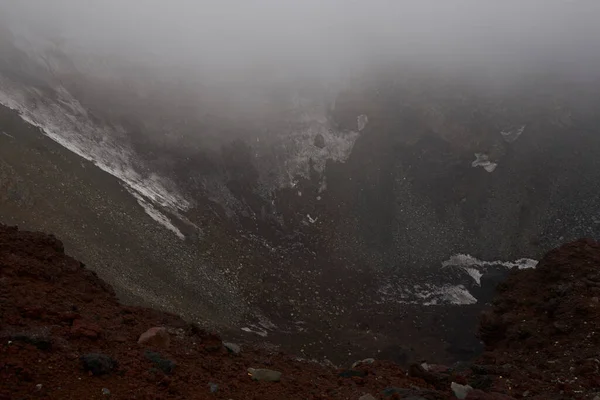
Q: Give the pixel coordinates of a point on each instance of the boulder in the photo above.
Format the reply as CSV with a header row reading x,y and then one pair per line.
x,y
460,391
319,141
157,337
98,364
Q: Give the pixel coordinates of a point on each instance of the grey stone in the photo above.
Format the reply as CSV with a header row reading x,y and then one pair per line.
x,y
105,392
232,347
460,391
213,387
267,375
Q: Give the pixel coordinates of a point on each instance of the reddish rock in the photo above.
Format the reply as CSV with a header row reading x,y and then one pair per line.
x,y
89,330
157,336
68,316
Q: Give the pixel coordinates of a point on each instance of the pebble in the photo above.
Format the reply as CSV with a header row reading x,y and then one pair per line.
x,y
213,387
38,387
267,375
105,392
460,391
232,347
367,396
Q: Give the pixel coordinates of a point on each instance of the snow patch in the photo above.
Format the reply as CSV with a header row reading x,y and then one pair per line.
x,y
427,294
294,155
476,268
256,330
155,214
482,160
513,134
446,294
312,220
362,121
65,121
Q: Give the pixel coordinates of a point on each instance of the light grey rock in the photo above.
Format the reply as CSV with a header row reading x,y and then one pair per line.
x,y
267,375
232,347
460,391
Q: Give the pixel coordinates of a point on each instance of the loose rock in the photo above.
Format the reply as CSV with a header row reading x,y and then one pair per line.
x,y
157,336
232,347
319,141
267,375
89,330
98,364
460,391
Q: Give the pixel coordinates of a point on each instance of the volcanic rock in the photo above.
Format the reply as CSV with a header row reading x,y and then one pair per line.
x,y
157,337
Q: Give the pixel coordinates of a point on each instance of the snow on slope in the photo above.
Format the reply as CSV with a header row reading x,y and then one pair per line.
x,y
476,268
66,122
466,269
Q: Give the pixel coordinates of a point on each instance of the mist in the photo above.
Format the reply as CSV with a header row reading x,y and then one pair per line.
x,y
321,38
306,160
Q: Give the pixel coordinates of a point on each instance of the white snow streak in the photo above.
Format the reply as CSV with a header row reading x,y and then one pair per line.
x,y
66,122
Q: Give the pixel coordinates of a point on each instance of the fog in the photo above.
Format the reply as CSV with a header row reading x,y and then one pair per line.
x,y
321,37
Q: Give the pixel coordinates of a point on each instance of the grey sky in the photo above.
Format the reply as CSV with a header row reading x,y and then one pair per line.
x,y
315,35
